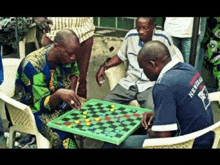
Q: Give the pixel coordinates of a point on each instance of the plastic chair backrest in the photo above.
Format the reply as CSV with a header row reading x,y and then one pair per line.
x,y
10,66
20,114
114,74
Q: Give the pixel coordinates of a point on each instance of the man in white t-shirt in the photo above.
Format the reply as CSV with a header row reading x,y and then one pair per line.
x,y
180,28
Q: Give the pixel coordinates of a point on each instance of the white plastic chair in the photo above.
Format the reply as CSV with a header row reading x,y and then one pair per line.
x,y
186,141
20,113
10,66
29,37
22,121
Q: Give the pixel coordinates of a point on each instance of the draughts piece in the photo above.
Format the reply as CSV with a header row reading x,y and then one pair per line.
x,y
97,119
88,123
77,121
113,106
87,120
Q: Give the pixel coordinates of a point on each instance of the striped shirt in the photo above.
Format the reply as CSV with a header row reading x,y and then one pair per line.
x,y
82,26
131,46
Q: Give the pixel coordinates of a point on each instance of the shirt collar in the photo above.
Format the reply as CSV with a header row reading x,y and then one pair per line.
x,y
170,65
51,66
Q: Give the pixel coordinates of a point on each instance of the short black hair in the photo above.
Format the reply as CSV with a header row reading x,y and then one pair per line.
x,y
151,18
154,50
64,35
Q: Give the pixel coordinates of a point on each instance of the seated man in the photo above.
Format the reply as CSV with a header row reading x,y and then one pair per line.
x,y
135,85
46,81
180,97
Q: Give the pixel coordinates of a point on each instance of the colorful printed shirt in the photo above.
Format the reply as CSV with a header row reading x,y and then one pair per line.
x,y
211,42
37,79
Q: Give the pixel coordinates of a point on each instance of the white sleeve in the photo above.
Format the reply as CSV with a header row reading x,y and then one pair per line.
x,y
122,53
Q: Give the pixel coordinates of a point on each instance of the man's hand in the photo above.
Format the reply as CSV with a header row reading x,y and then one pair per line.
x,y
43,23
100,75
70,97
147,120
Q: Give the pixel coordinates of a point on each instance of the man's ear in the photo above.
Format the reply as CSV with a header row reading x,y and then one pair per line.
x,y
153,63
56,45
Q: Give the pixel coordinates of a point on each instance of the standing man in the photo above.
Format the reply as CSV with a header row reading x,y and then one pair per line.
x,y
180,28
84,29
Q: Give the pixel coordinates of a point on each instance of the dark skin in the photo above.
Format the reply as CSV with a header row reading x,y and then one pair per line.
x,y
152,66
65,54
43,23
145,28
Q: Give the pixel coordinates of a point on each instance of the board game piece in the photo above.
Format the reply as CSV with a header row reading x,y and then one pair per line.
x,y
106,132
119,124
134,110
87,120
91,128
121,121
77,121
88,123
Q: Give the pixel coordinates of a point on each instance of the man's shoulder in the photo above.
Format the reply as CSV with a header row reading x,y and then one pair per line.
x,y
182,72
35,58
162,32
132,33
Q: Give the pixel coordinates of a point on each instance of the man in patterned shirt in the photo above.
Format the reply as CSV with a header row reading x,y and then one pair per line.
x,y
46,81
84,29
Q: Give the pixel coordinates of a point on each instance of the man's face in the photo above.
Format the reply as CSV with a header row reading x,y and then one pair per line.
x,y
151,70
145,29
68,52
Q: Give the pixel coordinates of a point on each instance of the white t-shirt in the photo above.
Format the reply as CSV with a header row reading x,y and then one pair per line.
x,y
179,26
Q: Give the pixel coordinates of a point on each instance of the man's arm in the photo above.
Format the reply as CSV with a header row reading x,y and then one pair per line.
x,y
67,96
163,134
165,121
100,75
73,82
147,122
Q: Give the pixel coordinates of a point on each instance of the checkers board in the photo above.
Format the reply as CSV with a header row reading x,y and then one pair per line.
x,y
101,120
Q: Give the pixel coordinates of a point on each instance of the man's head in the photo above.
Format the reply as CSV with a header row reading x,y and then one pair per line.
x,y
145,27
66,46
152,58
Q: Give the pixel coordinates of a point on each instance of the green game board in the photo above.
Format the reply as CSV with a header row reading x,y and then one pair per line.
x,y
113,126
